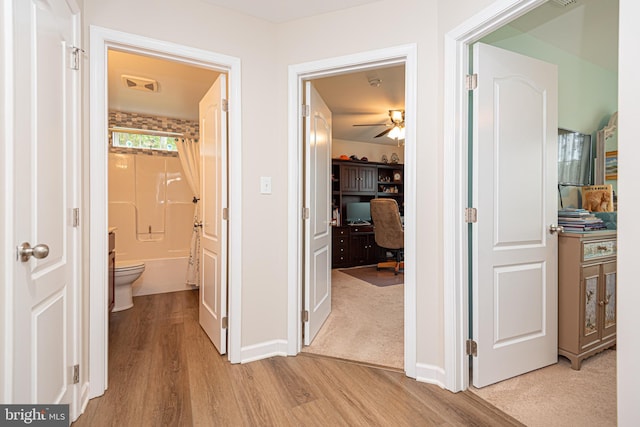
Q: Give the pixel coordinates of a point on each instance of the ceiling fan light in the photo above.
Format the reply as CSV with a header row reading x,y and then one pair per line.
x,y
396,116
394,133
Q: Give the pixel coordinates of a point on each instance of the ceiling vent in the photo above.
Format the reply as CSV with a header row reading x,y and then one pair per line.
x,y
564,2
140,83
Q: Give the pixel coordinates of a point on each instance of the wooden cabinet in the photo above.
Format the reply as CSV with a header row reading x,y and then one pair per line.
x,y
358,179
355,245
340,247
587,284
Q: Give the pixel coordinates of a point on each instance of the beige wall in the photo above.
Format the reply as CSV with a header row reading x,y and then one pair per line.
x,y
372,151
266,51
198,24
356,30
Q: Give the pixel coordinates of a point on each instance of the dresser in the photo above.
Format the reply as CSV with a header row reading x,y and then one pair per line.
x,y
587,285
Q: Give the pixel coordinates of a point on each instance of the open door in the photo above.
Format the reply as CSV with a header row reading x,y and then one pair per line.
x,y
515,276
213,194
42,326
317,228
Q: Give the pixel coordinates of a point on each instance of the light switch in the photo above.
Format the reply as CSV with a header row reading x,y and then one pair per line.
x,y
265,185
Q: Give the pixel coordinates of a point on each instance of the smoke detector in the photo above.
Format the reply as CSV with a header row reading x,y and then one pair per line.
x,y
564,2
140,83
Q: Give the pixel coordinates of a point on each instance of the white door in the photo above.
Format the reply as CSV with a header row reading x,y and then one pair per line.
x,y
213,201
317,228
42,326
515,175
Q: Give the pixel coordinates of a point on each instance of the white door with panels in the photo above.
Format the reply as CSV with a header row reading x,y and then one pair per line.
x,y
317,225
44,115
515,134
213,205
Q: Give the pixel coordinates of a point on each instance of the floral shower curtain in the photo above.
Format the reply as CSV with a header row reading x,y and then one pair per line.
x,y
189,155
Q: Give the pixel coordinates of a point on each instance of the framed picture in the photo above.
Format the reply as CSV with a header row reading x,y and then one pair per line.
x,y
611,166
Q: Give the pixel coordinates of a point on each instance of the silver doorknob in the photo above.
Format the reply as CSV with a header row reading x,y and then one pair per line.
x,y
555,228
25,251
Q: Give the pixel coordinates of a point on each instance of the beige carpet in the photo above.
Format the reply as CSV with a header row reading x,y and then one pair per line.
x,y
366,323
559,396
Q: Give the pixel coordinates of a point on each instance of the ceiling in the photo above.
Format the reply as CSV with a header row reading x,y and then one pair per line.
x,y
180,86
587,29
279,11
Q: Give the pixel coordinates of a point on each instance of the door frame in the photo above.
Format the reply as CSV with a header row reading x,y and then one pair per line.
x,y
103,39
457,43
404,54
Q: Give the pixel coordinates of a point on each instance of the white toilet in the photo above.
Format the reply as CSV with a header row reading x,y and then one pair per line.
x,y
126,273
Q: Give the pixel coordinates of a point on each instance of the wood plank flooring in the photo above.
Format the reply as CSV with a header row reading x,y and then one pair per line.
x,y
164,371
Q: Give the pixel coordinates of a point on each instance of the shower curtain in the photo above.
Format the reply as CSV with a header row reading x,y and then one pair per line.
x,y
189,155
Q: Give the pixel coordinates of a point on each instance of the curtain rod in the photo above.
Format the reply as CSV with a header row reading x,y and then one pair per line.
x,y
145,131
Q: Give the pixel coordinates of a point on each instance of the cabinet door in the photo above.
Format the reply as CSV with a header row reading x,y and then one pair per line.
x,y
609,286
349,178
368,180
359,249
589,306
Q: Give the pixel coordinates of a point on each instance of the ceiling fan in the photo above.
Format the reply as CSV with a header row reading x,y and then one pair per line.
x,y
395,128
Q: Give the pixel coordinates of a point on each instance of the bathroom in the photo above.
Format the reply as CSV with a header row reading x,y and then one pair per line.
x,y
151,203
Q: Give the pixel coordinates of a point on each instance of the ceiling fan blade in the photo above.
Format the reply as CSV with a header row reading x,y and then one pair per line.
x,y
375,124
383,133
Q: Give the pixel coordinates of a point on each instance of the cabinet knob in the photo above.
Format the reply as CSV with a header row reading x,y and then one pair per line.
x,y
601,303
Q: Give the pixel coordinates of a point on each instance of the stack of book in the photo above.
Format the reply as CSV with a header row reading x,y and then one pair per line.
x,y
579,220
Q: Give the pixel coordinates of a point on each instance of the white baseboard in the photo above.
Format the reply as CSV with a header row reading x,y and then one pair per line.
x,y
263,351
430,374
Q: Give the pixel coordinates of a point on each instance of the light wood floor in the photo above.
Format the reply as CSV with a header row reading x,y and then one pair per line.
x,y
164,371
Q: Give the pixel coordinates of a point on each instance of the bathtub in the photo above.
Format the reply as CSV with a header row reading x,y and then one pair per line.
x,y
161,276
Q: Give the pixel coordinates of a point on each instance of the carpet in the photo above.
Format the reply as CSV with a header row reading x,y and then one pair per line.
x,y
384,277
559,396
366,323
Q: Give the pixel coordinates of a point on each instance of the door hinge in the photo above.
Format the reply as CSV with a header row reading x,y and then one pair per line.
x,y
76,374
470,215
471,81
306,111
75,217
305,315
225,322
75,58
305,213
225,105
472,348
225,213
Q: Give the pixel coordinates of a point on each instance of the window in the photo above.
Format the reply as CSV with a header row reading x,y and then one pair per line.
x,y
143,141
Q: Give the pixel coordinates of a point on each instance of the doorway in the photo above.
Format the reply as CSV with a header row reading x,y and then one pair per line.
x,y
365,320
101,41
456,271
298,74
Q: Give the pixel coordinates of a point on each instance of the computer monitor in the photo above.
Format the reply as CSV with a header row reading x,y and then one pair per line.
x,y
358,212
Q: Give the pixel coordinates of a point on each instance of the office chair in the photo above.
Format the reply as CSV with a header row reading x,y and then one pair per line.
x,y
388,231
